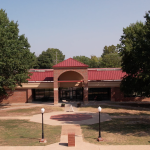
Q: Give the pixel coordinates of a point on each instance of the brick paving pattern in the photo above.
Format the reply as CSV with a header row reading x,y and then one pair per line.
x,y
71,117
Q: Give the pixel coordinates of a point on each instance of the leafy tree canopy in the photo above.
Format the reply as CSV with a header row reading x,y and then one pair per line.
x,y
35,66
112,60
49,58
111,57
83,59
109,50
95,62
15,56
135,52
45,60
57,55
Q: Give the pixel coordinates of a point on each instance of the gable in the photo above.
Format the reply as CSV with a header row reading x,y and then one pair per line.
x,y
70,63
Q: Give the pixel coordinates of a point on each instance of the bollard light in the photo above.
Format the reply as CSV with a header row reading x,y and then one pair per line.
x,y
99,138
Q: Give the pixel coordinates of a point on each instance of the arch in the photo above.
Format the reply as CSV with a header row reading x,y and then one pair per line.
x,y
70,75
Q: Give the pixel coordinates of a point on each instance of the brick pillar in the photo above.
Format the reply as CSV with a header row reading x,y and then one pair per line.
x,y
56,92
85,92
29,95
113,94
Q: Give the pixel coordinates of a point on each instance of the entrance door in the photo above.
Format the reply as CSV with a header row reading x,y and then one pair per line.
x,y
71,93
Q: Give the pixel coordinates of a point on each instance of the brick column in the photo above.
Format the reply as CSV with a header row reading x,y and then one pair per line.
x,y
56,98
29,96
113,94
85,92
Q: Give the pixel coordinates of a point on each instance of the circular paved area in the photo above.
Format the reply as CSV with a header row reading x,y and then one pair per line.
x,y
94,118
71,117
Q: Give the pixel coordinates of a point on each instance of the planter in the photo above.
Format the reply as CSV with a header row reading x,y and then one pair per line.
x,y
78,104
62,105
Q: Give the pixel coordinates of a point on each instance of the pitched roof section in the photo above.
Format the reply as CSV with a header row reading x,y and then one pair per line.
x,y
41,75
97,74
70,62
105,74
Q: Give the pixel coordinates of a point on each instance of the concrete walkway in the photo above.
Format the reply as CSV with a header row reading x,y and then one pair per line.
x,y
71,126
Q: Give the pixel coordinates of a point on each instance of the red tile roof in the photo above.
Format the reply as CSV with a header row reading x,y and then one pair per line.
x,y
93,74
70,62
105,74
41,76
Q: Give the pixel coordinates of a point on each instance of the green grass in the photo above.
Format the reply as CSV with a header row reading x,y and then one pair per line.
x,y
119,132
28,111
117,111
25,133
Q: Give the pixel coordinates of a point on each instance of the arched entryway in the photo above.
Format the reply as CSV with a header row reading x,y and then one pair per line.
x,y
70,86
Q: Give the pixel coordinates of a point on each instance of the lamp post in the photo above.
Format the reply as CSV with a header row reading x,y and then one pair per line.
x,y
42,140
99,138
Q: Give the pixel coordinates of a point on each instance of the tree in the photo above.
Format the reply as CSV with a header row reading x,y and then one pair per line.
x,y
109,50
49,58
35,65
95,62
45,60
111,57
57,55
83,59
135,52
15,56
112,60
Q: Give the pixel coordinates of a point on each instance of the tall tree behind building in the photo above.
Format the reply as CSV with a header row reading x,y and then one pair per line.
x,y
111,57
49,58
95,62
83,59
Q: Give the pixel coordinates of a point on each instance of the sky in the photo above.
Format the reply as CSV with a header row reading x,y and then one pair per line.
x,y
75,27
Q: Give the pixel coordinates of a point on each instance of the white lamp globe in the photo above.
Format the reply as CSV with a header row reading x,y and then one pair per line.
x,y
42,110
99,109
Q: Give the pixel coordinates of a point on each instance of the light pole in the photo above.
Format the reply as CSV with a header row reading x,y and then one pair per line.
x,y
42,140
99,138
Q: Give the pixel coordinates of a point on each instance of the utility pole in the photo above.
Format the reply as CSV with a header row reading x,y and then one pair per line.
x,y
56,57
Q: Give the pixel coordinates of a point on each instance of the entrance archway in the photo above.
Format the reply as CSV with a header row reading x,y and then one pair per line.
x,y
70,86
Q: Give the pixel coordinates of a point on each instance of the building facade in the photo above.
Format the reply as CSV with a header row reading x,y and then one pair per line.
x,y
73,81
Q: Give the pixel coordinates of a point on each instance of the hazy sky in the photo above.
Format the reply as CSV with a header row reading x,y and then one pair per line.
x,y
76,27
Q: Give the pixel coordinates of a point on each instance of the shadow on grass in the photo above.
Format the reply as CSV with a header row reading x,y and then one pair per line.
x,y
129,126
115,107
127,114
116,110
141,105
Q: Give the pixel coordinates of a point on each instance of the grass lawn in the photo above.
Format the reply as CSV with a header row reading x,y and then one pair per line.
x,y
25,133
116,110
119,132
29,111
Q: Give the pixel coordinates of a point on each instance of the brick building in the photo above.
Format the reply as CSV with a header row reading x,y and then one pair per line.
x,y
71,80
